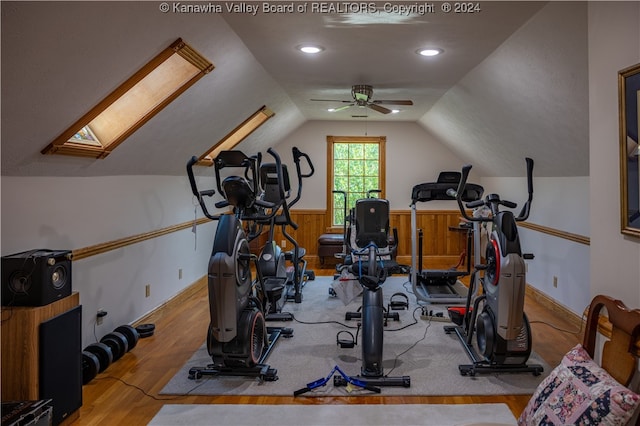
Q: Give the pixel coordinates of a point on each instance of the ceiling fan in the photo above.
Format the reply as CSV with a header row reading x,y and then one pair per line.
x,y
362,94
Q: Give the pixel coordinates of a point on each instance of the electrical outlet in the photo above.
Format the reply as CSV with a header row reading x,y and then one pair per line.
x,y
100,315
283,244
555,282
147,290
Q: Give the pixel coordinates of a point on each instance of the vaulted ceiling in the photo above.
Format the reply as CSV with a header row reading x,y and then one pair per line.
x,y
507,84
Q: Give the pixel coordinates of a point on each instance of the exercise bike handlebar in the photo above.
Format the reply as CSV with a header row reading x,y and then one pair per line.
x,y
199,194
283,201
297,155
489,200
224,203
524,213
457,194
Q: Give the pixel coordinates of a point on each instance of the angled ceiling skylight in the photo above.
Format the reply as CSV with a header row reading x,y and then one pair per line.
x,y
133,103
237,135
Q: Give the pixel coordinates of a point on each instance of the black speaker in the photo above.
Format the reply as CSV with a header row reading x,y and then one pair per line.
x,y
60,362
36,277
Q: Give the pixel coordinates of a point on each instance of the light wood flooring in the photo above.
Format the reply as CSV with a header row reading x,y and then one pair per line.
x,y
127,392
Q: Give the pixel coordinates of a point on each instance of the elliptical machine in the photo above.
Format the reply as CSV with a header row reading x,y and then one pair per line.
x,y
238,340
503,334
272,259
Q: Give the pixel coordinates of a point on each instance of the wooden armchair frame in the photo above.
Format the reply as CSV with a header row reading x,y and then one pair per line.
x,y
620,353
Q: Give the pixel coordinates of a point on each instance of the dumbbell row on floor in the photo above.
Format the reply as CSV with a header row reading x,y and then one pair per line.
x,y
96,357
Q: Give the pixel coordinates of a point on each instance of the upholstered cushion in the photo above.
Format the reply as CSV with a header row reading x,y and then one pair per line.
x,y
579,391
331,239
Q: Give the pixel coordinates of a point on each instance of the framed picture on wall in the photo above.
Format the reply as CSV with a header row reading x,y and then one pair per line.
x,y
629,98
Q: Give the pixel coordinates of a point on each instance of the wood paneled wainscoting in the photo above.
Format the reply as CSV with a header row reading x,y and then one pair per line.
x,y
442,244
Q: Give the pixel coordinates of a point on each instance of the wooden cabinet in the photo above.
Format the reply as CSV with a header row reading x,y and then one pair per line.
x,y
20,346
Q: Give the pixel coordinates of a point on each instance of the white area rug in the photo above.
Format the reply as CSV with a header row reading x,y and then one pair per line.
x,y
422,351
352,414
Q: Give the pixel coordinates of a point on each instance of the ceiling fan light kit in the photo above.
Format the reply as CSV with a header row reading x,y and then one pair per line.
x,y
362,95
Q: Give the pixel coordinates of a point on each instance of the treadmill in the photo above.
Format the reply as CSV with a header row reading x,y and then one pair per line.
x,y
441,285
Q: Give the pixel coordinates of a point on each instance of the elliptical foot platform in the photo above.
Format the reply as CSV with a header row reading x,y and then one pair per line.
x,y
481,365
486,367
263,371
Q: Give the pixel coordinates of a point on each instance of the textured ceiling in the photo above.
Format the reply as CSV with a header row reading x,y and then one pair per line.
x,y
493,95
376,49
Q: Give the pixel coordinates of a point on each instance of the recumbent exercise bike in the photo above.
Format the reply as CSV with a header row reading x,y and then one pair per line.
x,y
238,339
503,334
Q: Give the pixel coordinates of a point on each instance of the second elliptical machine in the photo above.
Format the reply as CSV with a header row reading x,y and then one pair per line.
x,y
503,334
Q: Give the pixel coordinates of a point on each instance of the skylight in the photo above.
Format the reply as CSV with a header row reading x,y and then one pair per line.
x,y
237,135
132,104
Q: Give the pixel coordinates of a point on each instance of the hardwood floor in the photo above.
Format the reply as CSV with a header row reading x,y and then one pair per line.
x,y
127,392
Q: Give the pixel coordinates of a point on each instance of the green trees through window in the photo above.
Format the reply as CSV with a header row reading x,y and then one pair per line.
x,y
356,167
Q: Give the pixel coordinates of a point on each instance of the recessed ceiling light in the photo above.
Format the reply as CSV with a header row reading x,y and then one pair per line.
x,y
429,52
331,109
395,111
310,48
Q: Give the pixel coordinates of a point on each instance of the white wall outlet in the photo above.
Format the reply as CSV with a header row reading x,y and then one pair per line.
x,y
100,316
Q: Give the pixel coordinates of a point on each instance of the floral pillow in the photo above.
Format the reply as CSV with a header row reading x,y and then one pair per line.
x,y
579,392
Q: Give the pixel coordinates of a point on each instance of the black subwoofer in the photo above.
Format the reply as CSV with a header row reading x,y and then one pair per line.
x,y
36,277
60,359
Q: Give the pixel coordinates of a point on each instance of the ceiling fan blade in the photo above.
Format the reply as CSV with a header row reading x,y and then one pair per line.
x,y
405,102
342,107
330,100
379,108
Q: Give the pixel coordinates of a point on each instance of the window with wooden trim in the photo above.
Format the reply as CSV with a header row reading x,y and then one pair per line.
x,y
356,165
237,135
133,103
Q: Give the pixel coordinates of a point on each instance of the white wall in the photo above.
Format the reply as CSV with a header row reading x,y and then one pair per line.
x,y
546,53
614,44
413,157
71,213
559,203
528,98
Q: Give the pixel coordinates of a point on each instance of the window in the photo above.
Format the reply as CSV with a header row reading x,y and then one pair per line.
x,y
132,104
236,136
356,166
